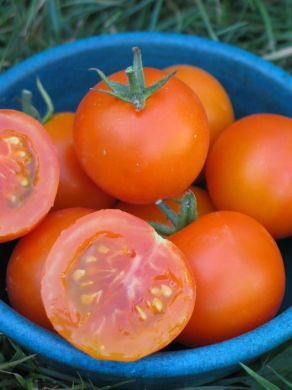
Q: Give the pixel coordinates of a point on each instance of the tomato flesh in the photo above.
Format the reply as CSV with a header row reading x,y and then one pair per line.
x,y
115,289
29,174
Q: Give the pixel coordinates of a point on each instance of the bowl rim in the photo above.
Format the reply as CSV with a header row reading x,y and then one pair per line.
x,y
161,364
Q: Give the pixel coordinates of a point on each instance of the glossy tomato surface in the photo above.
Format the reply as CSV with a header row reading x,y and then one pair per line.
x,y
142,156
150,212
239,273
75,188
249,169
115,289
29,173
212,94
25,266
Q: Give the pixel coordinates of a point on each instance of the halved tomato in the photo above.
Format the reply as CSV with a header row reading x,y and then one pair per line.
x,y
29,173
115,289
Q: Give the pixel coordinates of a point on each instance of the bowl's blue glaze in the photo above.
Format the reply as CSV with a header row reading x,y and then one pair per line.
x,y
254,85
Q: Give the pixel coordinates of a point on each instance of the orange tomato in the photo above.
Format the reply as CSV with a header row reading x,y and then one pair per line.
x,y
142,156
75,188
115,289
25,266
249,169
239,274
29,174
212,94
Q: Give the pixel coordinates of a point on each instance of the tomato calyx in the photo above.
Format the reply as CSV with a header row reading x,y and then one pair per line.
x,y
30,109
187,213
136,91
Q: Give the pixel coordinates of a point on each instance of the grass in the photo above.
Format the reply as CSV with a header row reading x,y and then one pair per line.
x,y
27,27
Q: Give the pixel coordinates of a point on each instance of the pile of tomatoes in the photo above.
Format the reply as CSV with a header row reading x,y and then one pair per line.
x,y
79,190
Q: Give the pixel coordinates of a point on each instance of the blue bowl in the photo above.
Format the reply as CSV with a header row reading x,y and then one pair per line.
x,y
254,85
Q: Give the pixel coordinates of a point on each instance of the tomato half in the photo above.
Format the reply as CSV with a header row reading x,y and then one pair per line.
x,y
75,188
151,212
25,266
239,273
249,169
115,289
142,156
29,173
212,94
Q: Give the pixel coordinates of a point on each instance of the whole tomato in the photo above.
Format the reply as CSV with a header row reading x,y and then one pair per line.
x,y
239,275
75,188
25,266
144,151
212,94
249,169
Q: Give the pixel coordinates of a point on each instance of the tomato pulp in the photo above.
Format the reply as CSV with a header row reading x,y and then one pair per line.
x,y
29,173
115,289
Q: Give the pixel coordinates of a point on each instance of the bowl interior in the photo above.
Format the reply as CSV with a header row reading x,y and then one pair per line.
x,y
253,86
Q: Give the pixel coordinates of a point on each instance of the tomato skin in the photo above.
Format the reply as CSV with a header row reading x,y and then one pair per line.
x,y
29,173
249,169
151,212
25,266
239,273
142,156
115,289
75,188
212,94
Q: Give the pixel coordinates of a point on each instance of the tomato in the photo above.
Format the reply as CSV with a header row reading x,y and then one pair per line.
x,y
140,156
212,94
75,188
115,289
29,174
239,274
249,169
151,212
26,264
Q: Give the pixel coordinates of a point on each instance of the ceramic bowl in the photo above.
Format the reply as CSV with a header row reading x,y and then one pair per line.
x,y
254,85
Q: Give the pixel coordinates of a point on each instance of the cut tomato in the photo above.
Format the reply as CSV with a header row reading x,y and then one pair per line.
x,y
115,289
29,173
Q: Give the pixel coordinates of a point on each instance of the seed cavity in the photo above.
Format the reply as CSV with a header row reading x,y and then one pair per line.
x,y
157,305
86,284
78,274
103,249
166,291
13,140
155,291
87,299
141,312
24,182
90,259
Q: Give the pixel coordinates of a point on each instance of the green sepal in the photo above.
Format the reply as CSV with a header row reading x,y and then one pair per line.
x,y
187,214
135,92
28,107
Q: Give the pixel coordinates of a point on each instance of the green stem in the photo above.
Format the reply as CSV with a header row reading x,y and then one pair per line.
x,y
135,92
187,214
30,109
